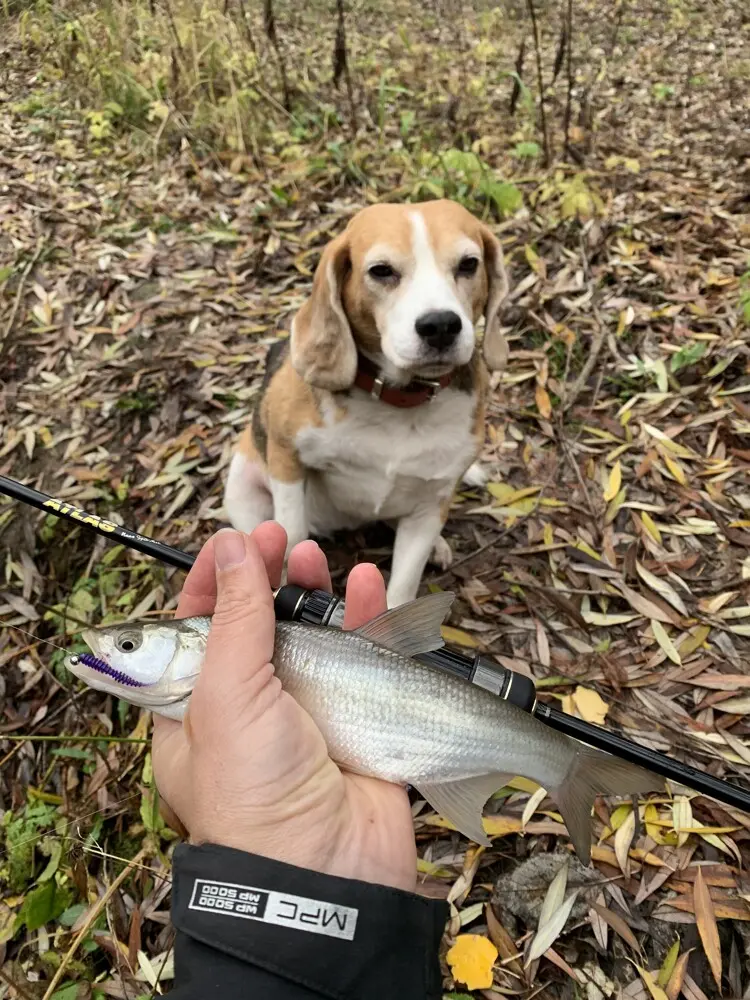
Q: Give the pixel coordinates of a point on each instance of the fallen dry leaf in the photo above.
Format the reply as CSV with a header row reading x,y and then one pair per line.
x,y
657,993
458,636
665,642
613,483
590,705
706,921
471,960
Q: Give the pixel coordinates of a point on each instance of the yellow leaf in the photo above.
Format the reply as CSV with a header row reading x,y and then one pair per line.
x,y
471,959
585,547
650,815
667,442
523,784
660,634
543,402
695,638
653,987
650,527
507,494
676,469
614,506
458,636
682,818
501,491
141,729
528,491
520,508
705,918
591,707
625,319
549,534
614,483
532,805
623,840
715,603
620,814
533,258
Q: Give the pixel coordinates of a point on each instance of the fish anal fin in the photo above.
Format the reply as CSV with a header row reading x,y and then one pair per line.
x,y
596,773
410,628
462,802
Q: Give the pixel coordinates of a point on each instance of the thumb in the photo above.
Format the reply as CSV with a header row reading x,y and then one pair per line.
x,y
241,640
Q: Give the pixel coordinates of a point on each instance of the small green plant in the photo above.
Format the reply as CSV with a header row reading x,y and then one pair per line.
x,y
101,122
526,150
23,832
662,91
139,402
464,176
687,355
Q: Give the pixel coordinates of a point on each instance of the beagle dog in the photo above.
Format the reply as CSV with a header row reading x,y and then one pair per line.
x,y
373,408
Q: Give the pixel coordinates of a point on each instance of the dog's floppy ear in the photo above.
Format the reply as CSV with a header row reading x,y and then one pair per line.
x,y
495,347
323,351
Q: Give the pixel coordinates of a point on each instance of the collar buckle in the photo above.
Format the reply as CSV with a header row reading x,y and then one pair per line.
x,y
432,387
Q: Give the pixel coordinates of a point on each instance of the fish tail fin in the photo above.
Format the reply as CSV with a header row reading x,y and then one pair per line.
x,y
593,773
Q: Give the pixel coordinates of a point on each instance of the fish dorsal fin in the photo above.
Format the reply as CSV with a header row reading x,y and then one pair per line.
x,y
462,802
410,628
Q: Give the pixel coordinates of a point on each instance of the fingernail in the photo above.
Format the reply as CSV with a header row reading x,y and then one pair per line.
x,y
229,548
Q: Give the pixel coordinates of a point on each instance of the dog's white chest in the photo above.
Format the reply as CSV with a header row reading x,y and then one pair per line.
x,y
382,462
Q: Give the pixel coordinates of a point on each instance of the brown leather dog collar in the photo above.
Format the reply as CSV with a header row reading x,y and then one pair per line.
x,y
417,391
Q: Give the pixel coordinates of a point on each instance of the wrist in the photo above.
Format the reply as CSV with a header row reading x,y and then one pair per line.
x,y
327,859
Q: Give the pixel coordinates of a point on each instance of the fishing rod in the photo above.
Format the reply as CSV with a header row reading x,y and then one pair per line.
x,y
316,607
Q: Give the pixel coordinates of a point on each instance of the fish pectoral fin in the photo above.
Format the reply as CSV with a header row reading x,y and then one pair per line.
x,y
462,802
410,628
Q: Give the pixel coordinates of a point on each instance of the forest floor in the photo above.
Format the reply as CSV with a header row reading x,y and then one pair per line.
x,y
161,214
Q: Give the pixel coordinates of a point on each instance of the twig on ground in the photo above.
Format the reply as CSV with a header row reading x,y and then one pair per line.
x,y
575,390
20,990
19,294
95,911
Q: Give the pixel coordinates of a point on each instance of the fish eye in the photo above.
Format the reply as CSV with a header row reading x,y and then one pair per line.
x,y
467,267
383,272
128,642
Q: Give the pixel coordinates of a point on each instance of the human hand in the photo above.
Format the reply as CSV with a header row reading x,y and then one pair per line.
x,y
248,768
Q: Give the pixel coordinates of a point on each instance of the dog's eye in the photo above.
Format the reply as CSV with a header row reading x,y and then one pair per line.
x,y
382,272
467,267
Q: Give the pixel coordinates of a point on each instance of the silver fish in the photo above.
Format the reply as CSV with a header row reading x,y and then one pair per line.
x,y
381,712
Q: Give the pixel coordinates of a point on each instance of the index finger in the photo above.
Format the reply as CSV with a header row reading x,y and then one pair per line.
x,y
198,594
365,595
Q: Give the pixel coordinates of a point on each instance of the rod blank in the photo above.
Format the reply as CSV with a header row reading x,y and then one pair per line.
x,y
108,529
596,736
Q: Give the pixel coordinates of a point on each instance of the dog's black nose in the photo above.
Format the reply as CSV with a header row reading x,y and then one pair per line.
x,y
439,328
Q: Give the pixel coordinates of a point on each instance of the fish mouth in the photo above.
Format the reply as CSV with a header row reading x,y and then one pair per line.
x,y
102,667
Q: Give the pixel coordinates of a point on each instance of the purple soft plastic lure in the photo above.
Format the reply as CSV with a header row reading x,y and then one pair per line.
x,y
89,660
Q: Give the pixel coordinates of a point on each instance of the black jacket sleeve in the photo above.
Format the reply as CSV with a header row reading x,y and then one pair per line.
x,y
250,927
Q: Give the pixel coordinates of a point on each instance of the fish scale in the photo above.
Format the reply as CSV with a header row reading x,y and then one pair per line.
x,y
381,712
405,721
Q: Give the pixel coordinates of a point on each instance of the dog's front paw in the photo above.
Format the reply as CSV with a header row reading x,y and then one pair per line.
x,y
442,554
476,475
